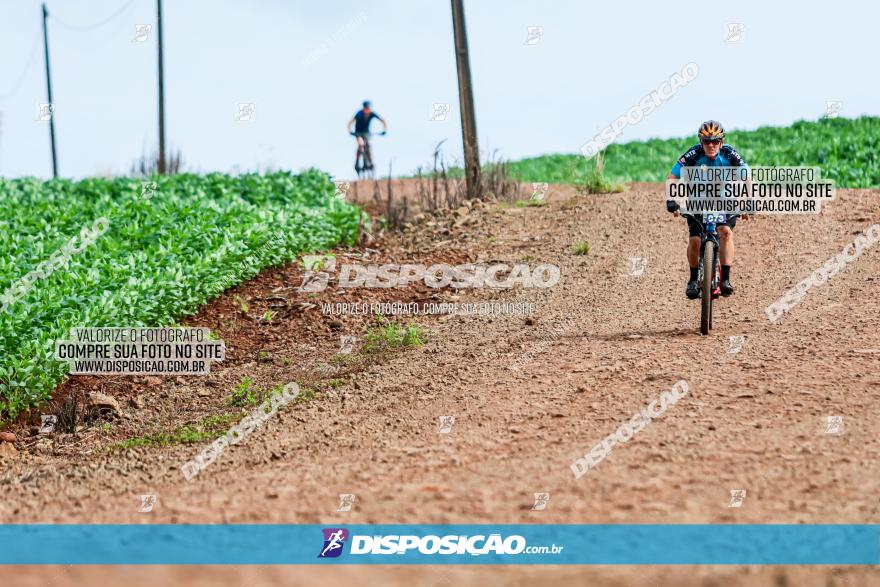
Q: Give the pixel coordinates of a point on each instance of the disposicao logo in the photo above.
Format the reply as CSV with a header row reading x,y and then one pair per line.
x,y
334,541
433,544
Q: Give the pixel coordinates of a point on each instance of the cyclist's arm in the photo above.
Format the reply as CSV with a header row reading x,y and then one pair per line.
x,y
382,120
738,161
688,159
676,212
350,125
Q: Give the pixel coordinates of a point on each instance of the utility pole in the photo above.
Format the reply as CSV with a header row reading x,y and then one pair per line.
x,y
49,92
466,103
162,160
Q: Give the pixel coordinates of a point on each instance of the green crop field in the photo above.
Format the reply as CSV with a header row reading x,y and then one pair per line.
x,y
112,252
847,150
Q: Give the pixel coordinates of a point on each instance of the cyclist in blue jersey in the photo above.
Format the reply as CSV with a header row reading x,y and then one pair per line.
x,y
712,152
361,123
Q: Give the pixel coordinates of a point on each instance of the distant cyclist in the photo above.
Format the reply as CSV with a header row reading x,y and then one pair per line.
x,y
712,152
361,123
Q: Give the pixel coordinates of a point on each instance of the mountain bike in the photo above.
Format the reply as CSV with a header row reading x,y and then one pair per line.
x,y
363,160
708,268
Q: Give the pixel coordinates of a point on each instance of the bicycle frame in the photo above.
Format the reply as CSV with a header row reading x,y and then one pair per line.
x,y
363,162
709,233
362,158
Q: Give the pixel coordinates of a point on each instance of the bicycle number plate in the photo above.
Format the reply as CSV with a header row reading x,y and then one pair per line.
x,y
715,218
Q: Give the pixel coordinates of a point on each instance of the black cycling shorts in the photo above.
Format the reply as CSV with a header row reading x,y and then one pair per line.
x,y
695,230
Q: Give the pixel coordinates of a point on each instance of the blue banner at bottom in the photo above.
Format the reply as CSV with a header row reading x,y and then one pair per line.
x,y
505,544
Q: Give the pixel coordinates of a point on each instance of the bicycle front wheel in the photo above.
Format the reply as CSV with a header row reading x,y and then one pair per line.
x,y
706,289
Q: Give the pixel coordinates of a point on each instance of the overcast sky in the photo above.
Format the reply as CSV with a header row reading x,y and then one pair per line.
x,y
307,65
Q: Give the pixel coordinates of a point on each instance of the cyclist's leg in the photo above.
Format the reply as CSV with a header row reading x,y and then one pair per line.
x,y
359,153
692,290
693,249
368,154
725,234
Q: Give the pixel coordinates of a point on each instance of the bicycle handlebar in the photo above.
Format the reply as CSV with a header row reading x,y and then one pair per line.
x,y
703,224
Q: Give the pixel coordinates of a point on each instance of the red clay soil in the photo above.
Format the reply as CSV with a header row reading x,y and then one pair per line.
x,y
529,394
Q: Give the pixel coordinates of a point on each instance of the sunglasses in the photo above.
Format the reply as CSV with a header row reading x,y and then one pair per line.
x,y
710,141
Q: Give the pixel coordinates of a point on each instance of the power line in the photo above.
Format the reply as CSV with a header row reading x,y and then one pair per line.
x,y
98,24
20,81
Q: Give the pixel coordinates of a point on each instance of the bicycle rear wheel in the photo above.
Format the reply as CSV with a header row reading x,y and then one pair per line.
x,y
706,289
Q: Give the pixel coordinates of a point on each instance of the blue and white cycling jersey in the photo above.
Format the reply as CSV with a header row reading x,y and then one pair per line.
x,y
696,157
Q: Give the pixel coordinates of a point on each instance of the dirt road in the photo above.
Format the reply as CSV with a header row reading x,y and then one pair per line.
x,y
529,395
